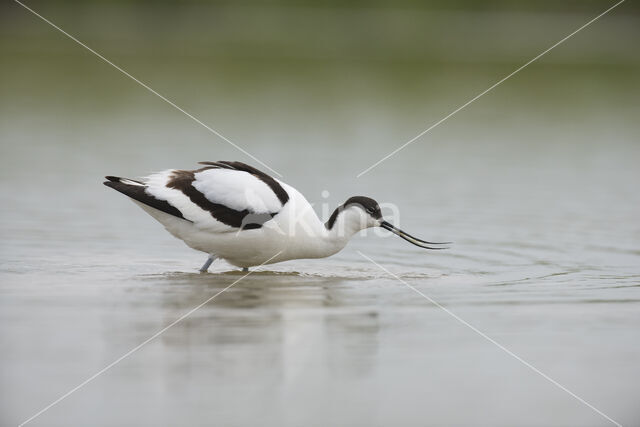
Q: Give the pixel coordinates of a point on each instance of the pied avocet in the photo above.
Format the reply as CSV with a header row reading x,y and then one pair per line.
x,y
235,212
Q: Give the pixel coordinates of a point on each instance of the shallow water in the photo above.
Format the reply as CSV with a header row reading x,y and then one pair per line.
x,y
536,183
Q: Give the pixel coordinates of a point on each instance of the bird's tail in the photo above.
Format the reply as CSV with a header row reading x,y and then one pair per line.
x,y
125,181
137,191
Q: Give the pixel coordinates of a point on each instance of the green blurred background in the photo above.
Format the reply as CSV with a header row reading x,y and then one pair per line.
x,y
341,83
299,73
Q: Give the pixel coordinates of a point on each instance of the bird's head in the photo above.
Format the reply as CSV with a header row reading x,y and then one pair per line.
x,y
360,212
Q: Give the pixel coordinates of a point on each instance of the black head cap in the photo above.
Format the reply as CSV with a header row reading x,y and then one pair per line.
x,y
367,204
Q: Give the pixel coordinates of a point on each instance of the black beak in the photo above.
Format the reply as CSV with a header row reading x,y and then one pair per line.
x,y
409,238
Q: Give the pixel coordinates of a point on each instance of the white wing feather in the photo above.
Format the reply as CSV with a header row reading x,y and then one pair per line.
x,y
237,190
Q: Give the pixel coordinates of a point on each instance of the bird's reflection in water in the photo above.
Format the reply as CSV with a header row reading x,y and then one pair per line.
x,y
267,329
352,342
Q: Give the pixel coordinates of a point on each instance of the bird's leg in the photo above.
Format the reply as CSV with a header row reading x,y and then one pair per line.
x,y
207,263
245,269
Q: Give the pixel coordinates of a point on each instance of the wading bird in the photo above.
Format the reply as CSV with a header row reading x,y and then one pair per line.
x,y
235,212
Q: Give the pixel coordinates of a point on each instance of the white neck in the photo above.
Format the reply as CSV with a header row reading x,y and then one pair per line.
x,y
313,239
328,241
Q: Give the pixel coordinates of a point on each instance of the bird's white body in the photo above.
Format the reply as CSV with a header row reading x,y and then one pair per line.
x,y
196,204
295,232
233,211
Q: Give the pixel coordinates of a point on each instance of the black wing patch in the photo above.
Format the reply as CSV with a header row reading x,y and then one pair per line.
x,y
138,192
244,219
